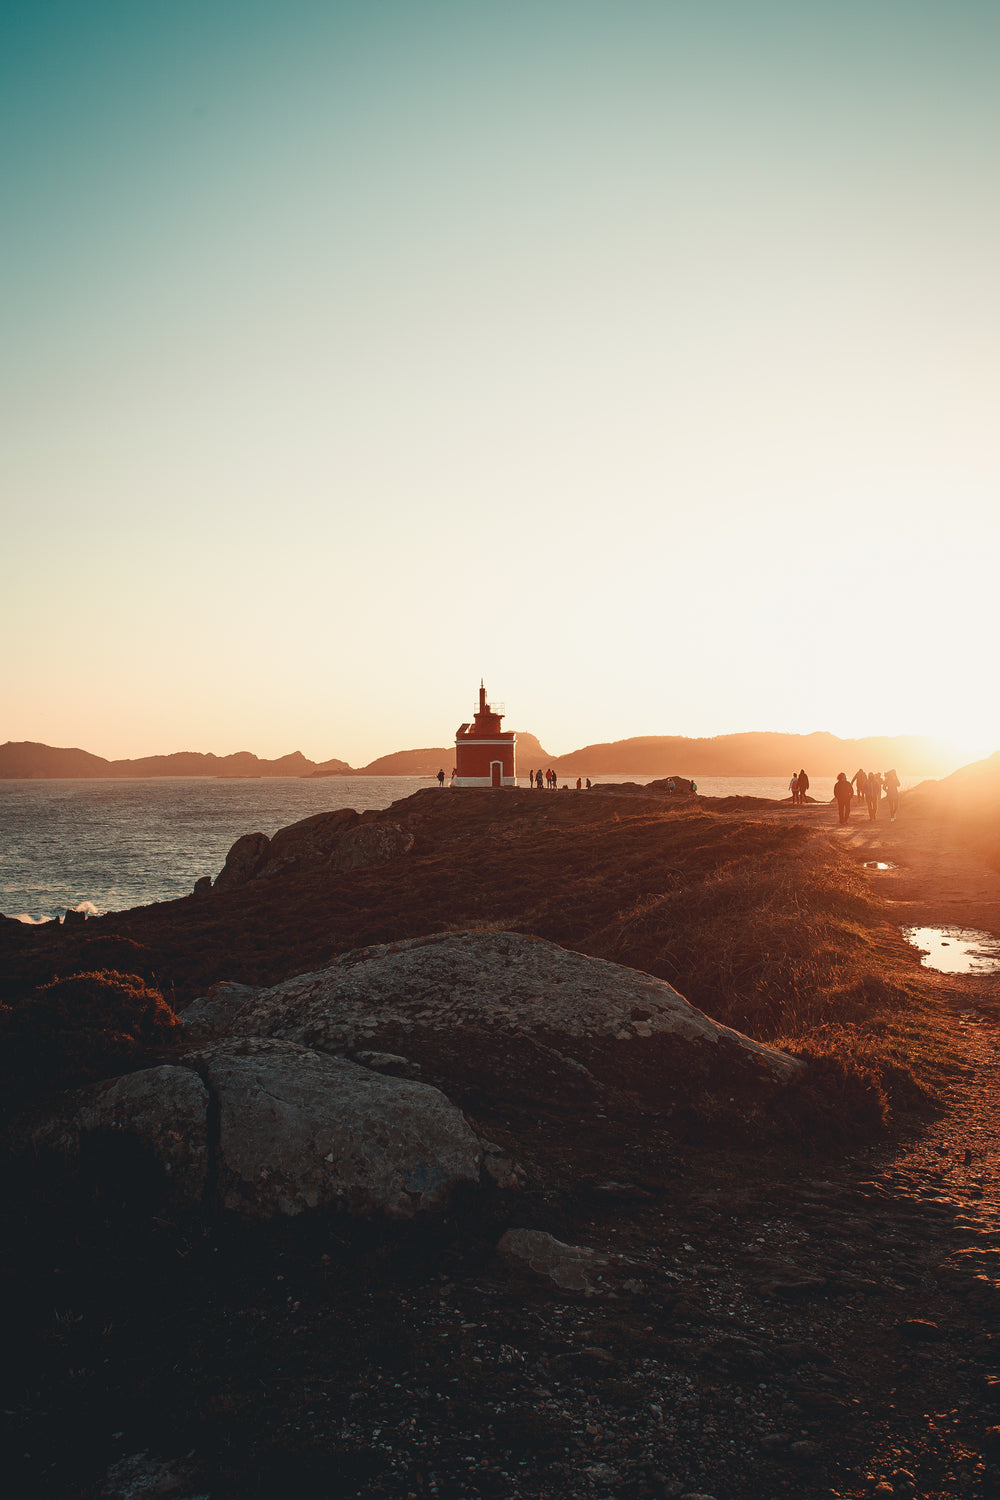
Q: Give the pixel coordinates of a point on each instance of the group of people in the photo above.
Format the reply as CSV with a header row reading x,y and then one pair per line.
x,y
867,786
798,786
550,780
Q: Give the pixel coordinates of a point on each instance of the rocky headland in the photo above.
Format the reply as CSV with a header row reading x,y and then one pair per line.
x,y
516,1144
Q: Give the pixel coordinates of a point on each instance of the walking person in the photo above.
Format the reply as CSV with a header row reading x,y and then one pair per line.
x,y
860,779
843,791
803,788
793,787
891,782
873,794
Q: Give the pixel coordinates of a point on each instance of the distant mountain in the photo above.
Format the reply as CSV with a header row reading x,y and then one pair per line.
x,y
411,763
28,761
761,754
969,799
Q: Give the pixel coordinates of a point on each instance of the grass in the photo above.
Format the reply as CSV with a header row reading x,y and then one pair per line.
x,y
796,950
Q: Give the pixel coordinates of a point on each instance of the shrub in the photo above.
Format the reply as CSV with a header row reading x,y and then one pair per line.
x,y
74,1030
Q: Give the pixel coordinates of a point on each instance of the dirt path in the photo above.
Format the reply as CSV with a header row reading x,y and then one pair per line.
x,y
938,880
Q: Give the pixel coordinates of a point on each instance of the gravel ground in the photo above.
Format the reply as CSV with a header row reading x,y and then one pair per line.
x,y
752,1327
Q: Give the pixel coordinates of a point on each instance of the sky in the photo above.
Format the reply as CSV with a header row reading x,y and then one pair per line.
x,y
641,359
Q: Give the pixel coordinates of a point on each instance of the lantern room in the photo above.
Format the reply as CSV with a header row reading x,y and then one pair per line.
x,y
484,753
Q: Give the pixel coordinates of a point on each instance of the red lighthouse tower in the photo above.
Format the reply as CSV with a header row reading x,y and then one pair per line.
x,y
484,753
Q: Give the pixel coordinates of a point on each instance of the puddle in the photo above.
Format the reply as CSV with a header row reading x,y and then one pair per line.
x,y
879,864
956,950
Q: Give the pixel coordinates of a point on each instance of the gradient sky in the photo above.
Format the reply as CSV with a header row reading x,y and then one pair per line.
x,y
642,358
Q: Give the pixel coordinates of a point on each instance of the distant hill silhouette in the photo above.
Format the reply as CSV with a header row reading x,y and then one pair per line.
x,y
970,798
759,754
29,761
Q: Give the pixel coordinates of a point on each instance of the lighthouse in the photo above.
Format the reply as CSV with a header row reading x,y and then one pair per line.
x,y
484,753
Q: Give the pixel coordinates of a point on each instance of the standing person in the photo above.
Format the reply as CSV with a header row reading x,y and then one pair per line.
x,y
531,779
860,780
891,781
843,791
579,784
873,794
803,787
440,778
588,783
793,787
454,776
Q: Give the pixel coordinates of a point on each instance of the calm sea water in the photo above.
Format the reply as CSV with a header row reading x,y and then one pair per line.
x,y
101,846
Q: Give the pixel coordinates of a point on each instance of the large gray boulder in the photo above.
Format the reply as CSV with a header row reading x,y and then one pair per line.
x,y
267,1129
298,1130
159,1114
491,1014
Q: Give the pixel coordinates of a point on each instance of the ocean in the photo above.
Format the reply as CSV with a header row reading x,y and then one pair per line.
x,y
99,846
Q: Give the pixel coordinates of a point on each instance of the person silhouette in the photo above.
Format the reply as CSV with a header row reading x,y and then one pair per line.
x,y
891,782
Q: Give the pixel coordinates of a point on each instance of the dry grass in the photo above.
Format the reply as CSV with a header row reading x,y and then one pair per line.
x,y
797,951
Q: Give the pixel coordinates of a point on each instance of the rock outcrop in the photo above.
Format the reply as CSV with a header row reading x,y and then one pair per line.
x,y
683,785
371,1087
299,1130
267,1129
161,1113
245,860
340,840
497,1015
